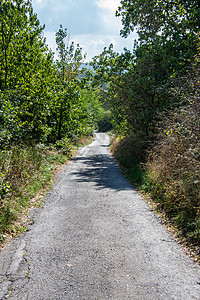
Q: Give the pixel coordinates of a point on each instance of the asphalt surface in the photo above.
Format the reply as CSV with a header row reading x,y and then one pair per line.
x,y
96,238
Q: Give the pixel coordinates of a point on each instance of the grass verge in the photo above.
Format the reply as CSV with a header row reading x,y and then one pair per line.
x,y
170,188
26,174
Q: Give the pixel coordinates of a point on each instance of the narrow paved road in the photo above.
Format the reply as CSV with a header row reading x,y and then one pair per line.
x,y
96,238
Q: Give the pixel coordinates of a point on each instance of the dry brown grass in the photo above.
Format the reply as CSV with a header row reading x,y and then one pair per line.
x,y
173,175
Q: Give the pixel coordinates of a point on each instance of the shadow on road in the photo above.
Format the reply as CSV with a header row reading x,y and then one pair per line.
x,y
102,170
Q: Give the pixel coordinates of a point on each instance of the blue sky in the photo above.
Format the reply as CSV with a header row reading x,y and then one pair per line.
x,y
91,23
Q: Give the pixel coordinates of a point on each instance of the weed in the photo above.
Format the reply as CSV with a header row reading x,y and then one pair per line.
x,y
170,172
23,172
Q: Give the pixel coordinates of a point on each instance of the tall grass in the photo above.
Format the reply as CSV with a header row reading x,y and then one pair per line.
x,y
170,176
130,151
173,171
170,170
26,170
23,172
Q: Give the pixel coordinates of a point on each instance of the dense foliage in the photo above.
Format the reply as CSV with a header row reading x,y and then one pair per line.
x,y
43,103
40,99
139,84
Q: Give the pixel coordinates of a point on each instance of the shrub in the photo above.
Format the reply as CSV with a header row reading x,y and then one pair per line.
x,y
105,122
173,175
18,168
65,146
130,151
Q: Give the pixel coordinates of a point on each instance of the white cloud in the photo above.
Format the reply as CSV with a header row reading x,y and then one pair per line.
x,y
39,3
108,9
92,24
93,44
109,5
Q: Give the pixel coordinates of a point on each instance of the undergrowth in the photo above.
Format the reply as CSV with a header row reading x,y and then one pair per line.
x,y
173,172
24,171
130,152
169,171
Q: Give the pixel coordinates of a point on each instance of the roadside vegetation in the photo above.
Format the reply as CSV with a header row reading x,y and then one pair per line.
x,y
26,174
167,173
47,108
149,97
153,95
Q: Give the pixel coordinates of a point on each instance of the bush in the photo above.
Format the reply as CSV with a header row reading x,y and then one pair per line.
x,y
65,146
23,172
105,122
130,151
19,167
173,175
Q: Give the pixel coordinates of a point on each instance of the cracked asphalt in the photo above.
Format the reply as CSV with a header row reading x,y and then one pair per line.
x,y
96,238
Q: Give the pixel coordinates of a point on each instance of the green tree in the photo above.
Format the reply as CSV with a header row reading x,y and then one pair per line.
x,y
150,17
66,103
110,69
20,41
139,86
26,70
